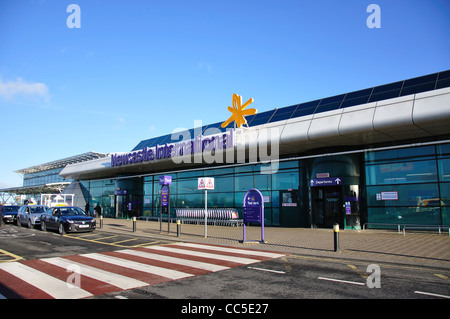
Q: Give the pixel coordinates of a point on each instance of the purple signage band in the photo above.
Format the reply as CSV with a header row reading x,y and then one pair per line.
x,y
165,180
193,146
165,196
253,205
329,181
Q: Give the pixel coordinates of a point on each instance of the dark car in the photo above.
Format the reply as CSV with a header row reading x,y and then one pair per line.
x,y
10,213
67,219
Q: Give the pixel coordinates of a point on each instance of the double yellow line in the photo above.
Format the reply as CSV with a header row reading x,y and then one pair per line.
x,y
12,256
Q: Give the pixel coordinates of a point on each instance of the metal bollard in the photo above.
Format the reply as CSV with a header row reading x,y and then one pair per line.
x,y
336,237
101,221
178,228
134,224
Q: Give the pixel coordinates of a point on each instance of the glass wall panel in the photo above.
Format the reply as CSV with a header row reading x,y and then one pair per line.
x,y
413,195
397,154
404,215
243,182
445,203
405,185
187,185
285,180
444,169
402,172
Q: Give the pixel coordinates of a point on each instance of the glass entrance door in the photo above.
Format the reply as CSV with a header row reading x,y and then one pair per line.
x,y
120,206
290,215
327,206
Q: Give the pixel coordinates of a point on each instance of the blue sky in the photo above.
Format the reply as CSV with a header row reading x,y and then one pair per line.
x,y
140,69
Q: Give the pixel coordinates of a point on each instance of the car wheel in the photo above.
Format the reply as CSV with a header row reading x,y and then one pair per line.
x,y
29,224
19,222
61,229
43,226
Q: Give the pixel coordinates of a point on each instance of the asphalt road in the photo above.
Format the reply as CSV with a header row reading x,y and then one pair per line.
x,y
289,277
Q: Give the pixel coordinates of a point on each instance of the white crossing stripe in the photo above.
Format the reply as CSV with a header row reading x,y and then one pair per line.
x,y
99,274
123,269
233,250
175,260
159,271
52,286
239,260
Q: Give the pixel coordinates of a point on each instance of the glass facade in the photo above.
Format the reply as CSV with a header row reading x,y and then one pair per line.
x,y
409,185
231,183
44,177
399,186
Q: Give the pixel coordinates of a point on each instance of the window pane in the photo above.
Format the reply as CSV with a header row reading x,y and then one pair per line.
x,y
288,180
399,153
418,196
187,186
243,182
444,169
403,172
404,215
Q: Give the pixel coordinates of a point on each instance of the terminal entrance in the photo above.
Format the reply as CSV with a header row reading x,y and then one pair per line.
x,y
127,206
327,206
290,214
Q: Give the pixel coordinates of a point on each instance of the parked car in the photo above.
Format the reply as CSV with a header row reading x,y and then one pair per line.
x,y
30,215
10,213
67,219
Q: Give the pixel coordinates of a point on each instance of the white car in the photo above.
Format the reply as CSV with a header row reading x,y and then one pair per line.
x,y
30,215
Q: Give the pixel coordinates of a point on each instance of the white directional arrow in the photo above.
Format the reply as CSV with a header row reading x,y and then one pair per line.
x,y
337,180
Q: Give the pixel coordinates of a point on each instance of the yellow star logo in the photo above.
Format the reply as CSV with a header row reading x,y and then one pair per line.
x,y
239,112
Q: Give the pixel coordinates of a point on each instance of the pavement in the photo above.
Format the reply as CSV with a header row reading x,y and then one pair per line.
x,y
421,249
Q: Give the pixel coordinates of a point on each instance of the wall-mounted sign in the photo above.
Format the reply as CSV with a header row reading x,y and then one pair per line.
x,y
165,180
389,195
329,181
194,146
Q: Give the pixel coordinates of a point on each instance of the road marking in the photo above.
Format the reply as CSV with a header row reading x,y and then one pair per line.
x,y
441,276
233,250
100,241
238,260
267,270
357,271
106,272
431,294
7,253
174,260
343,281
50,285
99,274
159,271
122,241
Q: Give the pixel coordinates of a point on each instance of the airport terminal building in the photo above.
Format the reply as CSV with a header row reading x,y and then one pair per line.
x,y
379,155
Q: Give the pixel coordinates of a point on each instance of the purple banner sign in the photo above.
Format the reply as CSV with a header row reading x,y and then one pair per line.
x,y
253,205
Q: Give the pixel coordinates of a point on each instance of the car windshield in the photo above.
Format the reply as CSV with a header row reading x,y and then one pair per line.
x,y
37,209
71,211
11,208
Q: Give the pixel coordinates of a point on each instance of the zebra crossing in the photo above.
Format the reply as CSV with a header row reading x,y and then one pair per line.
x,y
87,275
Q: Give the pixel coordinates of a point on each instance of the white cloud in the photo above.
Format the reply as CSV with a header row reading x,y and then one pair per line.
x,y
19,88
